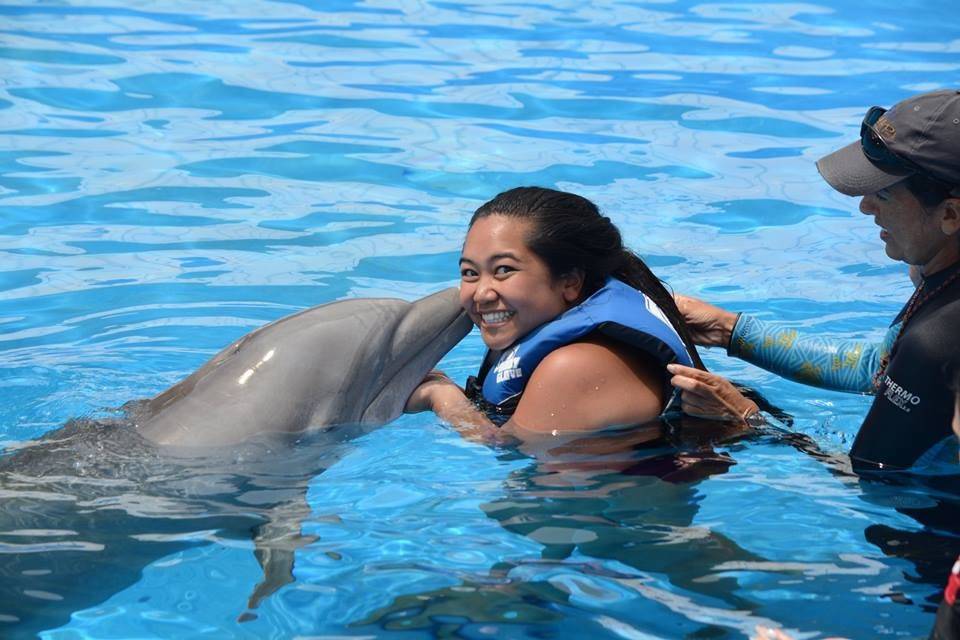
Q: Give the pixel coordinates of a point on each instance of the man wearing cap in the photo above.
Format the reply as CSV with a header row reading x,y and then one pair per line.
x,y
906,168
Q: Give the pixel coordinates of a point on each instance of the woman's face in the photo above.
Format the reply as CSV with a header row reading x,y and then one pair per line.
x,y
506,289
910,232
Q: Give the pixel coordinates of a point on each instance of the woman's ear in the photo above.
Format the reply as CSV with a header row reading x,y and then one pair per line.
x,y
571,285
950,216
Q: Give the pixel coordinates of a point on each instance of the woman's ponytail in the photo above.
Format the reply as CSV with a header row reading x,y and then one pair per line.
x,y
635,272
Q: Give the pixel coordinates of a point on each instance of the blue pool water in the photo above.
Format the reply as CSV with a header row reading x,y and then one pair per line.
x,y
175,174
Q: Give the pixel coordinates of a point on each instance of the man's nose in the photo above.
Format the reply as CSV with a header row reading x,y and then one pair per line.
x,y
868,205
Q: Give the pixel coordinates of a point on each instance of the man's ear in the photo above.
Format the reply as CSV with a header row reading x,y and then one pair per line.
x,y
572,285
950,216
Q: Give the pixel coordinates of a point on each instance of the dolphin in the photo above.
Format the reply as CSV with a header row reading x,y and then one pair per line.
x,y
349,362
227,453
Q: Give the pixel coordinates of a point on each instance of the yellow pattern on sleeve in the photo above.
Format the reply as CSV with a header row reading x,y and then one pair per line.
x,y
787,338
810,372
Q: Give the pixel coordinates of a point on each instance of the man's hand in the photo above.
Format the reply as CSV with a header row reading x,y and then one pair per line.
x,y
710,326
707,395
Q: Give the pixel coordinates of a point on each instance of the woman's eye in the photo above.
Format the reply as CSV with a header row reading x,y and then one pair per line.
x,y
467,273
503,270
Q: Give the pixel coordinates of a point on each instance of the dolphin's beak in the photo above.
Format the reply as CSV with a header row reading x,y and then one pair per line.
x,y
430,328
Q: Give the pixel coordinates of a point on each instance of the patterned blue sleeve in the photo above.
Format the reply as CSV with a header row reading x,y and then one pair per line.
x,y
843,365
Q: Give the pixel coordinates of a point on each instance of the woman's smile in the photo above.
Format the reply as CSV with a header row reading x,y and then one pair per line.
x,y
496,317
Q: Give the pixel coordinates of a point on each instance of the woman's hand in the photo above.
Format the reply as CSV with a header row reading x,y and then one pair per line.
x,y
709,326
707,395
440,394
428,394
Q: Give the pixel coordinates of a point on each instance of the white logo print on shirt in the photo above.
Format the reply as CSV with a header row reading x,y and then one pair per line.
x,y
900,397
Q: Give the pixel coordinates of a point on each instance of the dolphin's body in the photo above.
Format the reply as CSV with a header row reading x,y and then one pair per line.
x,y
86,507
351,362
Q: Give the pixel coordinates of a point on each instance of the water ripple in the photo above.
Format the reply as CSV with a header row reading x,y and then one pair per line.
x,y
177,173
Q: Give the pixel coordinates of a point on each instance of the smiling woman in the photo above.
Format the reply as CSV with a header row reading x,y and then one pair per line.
x,y
579,330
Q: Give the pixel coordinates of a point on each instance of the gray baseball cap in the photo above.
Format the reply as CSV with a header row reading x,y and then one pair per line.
x,y
918,135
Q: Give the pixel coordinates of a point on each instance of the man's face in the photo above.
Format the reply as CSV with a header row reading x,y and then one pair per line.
x,y
910,231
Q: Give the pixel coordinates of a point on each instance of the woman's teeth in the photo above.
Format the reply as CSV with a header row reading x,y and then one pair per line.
x,y
496,317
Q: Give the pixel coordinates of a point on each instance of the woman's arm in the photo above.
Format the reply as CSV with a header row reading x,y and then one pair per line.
x,y
440,394
581,387
843,365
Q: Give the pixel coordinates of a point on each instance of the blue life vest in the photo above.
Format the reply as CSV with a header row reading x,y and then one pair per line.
x,y
616,310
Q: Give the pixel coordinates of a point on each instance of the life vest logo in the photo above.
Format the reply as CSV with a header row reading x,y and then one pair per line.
x,y
509,366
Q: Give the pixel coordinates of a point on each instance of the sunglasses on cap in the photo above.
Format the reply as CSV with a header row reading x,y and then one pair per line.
x,y
875,149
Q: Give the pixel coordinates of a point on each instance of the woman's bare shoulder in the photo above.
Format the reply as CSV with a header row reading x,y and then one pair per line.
x,y
589,385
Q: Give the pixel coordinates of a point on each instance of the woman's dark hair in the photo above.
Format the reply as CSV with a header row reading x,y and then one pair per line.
x,y
928,191
569,233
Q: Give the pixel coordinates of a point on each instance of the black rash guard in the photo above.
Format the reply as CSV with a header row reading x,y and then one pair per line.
x,y
914,403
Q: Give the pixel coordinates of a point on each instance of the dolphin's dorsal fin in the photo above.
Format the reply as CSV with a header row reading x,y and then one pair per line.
x,y
275,542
